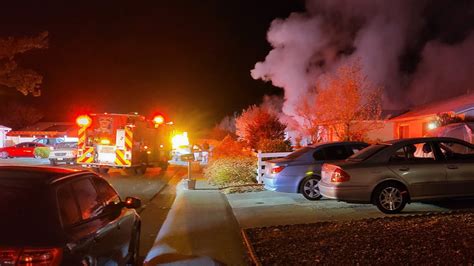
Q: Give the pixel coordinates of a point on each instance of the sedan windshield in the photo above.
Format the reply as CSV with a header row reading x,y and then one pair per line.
x,y
367,152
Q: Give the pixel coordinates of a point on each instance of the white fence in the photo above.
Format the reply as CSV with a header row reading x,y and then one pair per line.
x,y
260,161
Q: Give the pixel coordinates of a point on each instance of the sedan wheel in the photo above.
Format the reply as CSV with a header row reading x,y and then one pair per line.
x,y
310,188
390,198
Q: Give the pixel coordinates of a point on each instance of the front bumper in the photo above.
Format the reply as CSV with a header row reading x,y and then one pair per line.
x,y
345,193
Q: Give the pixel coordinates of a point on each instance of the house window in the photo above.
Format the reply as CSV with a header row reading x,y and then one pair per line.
x,y
424,129
403,131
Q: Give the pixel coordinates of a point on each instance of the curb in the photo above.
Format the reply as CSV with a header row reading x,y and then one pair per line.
x,y
157,193
250,249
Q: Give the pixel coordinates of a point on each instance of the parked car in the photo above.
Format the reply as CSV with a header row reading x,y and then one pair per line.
x,y
54,216
24,149
300,171
398,172
65,152
49,141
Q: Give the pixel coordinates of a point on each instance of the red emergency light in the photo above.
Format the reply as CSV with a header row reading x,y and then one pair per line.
x,y
158,119
83,121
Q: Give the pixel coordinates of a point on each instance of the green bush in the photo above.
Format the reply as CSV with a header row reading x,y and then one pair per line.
x,y
228,171
274,145
42,152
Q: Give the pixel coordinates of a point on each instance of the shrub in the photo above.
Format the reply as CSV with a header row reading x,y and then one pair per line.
x,y
228,171
274,145
228,147
42,152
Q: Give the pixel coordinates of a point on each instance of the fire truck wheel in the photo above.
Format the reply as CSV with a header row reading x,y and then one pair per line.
x,y
103,170
130,171
141,170
164,166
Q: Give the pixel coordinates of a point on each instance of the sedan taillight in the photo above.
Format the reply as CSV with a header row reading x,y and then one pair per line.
x,y
31,256
277,169
339,175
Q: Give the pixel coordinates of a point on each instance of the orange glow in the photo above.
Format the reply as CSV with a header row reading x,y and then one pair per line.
x,y
84,121
159,119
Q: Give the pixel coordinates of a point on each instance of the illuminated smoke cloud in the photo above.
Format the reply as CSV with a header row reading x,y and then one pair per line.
x,y
400,44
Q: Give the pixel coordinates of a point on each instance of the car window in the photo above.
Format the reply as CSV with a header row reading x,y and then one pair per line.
x,y
87,197
68,210
356,148
422,151
298,153
338,152
21,145
318,155
32,145
368,152
455,150
106,193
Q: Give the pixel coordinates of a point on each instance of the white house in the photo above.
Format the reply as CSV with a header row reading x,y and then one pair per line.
x,y
3,135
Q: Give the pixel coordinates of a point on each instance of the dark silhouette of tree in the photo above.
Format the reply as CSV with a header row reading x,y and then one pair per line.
x,y
12,75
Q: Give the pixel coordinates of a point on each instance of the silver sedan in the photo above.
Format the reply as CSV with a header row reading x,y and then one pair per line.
x,y
392,174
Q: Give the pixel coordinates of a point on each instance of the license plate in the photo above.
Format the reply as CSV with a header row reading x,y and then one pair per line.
x,y
60,159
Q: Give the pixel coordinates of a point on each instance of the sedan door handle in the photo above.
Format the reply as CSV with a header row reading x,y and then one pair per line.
x,y
404,169
451,166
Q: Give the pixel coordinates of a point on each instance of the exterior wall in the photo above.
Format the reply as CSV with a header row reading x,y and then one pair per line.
x,y
416,127
384,133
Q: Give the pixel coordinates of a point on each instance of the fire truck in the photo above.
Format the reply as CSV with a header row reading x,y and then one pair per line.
x,y
124,141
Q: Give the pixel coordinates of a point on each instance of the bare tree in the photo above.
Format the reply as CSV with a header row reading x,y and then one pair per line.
x,y
345,104
26,81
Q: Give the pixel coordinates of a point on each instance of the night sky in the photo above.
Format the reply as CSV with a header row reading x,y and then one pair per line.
x,y
183,58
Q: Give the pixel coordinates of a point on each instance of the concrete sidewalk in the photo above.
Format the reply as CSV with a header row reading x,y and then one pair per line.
x,y
200,229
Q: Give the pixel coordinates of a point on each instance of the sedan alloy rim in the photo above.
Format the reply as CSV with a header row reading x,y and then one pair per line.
x,y
311,188
391,198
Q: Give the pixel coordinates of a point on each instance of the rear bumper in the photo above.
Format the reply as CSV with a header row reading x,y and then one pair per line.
x,y
281,184
345,193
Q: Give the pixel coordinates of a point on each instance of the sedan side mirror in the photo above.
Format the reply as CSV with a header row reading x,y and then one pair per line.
x,y
132,203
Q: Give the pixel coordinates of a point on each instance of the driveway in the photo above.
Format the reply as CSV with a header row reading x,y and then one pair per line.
x,y
267,208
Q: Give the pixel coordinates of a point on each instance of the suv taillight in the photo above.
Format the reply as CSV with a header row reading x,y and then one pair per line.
x,y
31,256
339,175
277,169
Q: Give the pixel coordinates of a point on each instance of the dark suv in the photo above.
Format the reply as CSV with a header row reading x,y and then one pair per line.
x,y
53,216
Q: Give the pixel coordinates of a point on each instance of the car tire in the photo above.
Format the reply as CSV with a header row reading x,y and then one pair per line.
x,y
310,189
390,198
135,247
53,162
4,155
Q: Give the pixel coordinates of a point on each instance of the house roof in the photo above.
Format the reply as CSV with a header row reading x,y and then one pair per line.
x,y
50,129
454,105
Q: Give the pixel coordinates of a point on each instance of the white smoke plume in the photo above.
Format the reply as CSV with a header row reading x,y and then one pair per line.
x,y
385,36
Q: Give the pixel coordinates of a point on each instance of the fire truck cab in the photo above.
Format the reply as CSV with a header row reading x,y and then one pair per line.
x,y
125,141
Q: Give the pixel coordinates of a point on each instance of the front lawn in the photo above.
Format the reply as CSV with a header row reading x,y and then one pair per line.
x,y
429,239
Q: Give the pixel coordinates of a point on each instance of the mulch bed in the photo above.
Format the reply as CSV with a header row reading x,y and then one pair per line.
x,y
416,240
